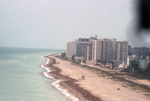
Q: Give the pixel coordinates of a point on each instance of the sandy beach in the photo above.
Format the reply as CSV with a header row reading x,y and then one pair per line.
x,y
92,87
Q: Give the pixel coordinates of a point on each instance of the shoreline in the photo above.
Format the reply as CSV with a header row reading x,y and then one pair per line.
x,y
65,84
94,86
56,81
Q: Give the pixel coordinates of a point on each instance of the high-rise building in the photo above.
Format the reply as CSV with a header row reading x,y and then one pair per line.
x,y
122,50
108,50
88,51
104,49
79,48
71,49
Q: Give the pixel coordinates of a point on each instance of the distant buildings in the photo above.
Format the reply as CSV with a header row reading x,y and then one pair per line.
x,y
93,49
110,50
122,50
140,54
142,62
71,49
88,52
139,50
104,49
81,48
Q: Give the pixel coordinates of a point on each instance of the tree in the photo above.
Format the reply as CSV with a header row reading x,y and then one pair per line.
x,y
99,60
73,57
148,66
134,65
113,63
63,55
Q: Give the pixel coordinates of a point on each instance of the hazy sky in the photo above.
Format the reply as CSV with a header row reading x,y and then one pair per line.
x,y
52,23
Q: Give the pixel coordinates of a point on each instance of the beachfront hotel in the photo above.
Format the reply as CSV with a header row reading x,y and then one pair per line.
x,y
104,49
109,50
122,51
93,49
81,48
71,49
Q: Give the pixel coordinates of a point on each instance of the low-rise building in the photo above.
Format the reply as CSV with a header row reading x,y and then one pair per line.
x,y
130,58
141,61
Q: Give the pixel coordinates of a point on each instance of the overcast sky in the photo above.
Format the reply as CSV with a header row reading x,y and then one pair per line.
x,y
52,23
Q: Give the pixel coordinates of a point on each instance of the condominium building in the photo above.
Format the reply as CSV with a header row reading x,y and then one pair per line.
x,y
122,50
108,50
71,49
80,51
88,51
80,48
104,49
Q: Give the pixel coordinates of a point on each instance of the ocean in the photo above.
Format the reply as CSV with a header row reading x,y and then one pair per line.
x,y
22,77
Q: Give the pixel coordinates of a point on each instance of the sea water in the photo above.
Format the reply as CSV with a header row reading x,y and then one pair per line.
x,y
22,78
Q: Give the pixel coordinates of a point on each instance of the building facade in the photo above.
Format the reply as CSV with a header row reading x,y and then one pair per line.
x,y
143,63
81,48
140,51
91,49
108,50
104,49
71,49
122,50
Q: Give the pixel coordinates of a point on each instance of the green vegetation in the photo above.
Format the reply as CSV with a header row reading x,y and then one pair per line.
x,y
130,71
73,57
101,61
133,85
63,55
75,62
135,71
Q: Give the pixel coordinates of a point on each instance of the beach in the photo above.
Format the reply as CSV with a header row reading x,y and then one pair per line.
x,y
90,88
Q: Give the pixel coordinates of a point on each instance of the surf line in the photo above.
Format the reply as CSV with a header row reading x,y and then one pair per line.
x,y
56,82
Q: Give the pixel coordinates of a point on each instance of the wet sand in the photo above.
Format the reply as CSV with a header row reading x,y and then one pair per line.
x,y
70,83
93,87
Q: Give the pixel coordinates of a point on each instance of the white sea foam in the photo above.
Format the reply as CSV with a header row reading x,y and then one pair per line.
x,y
12,61
65,92
9,61
47,61
48,76
43,66
48,70
56,83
